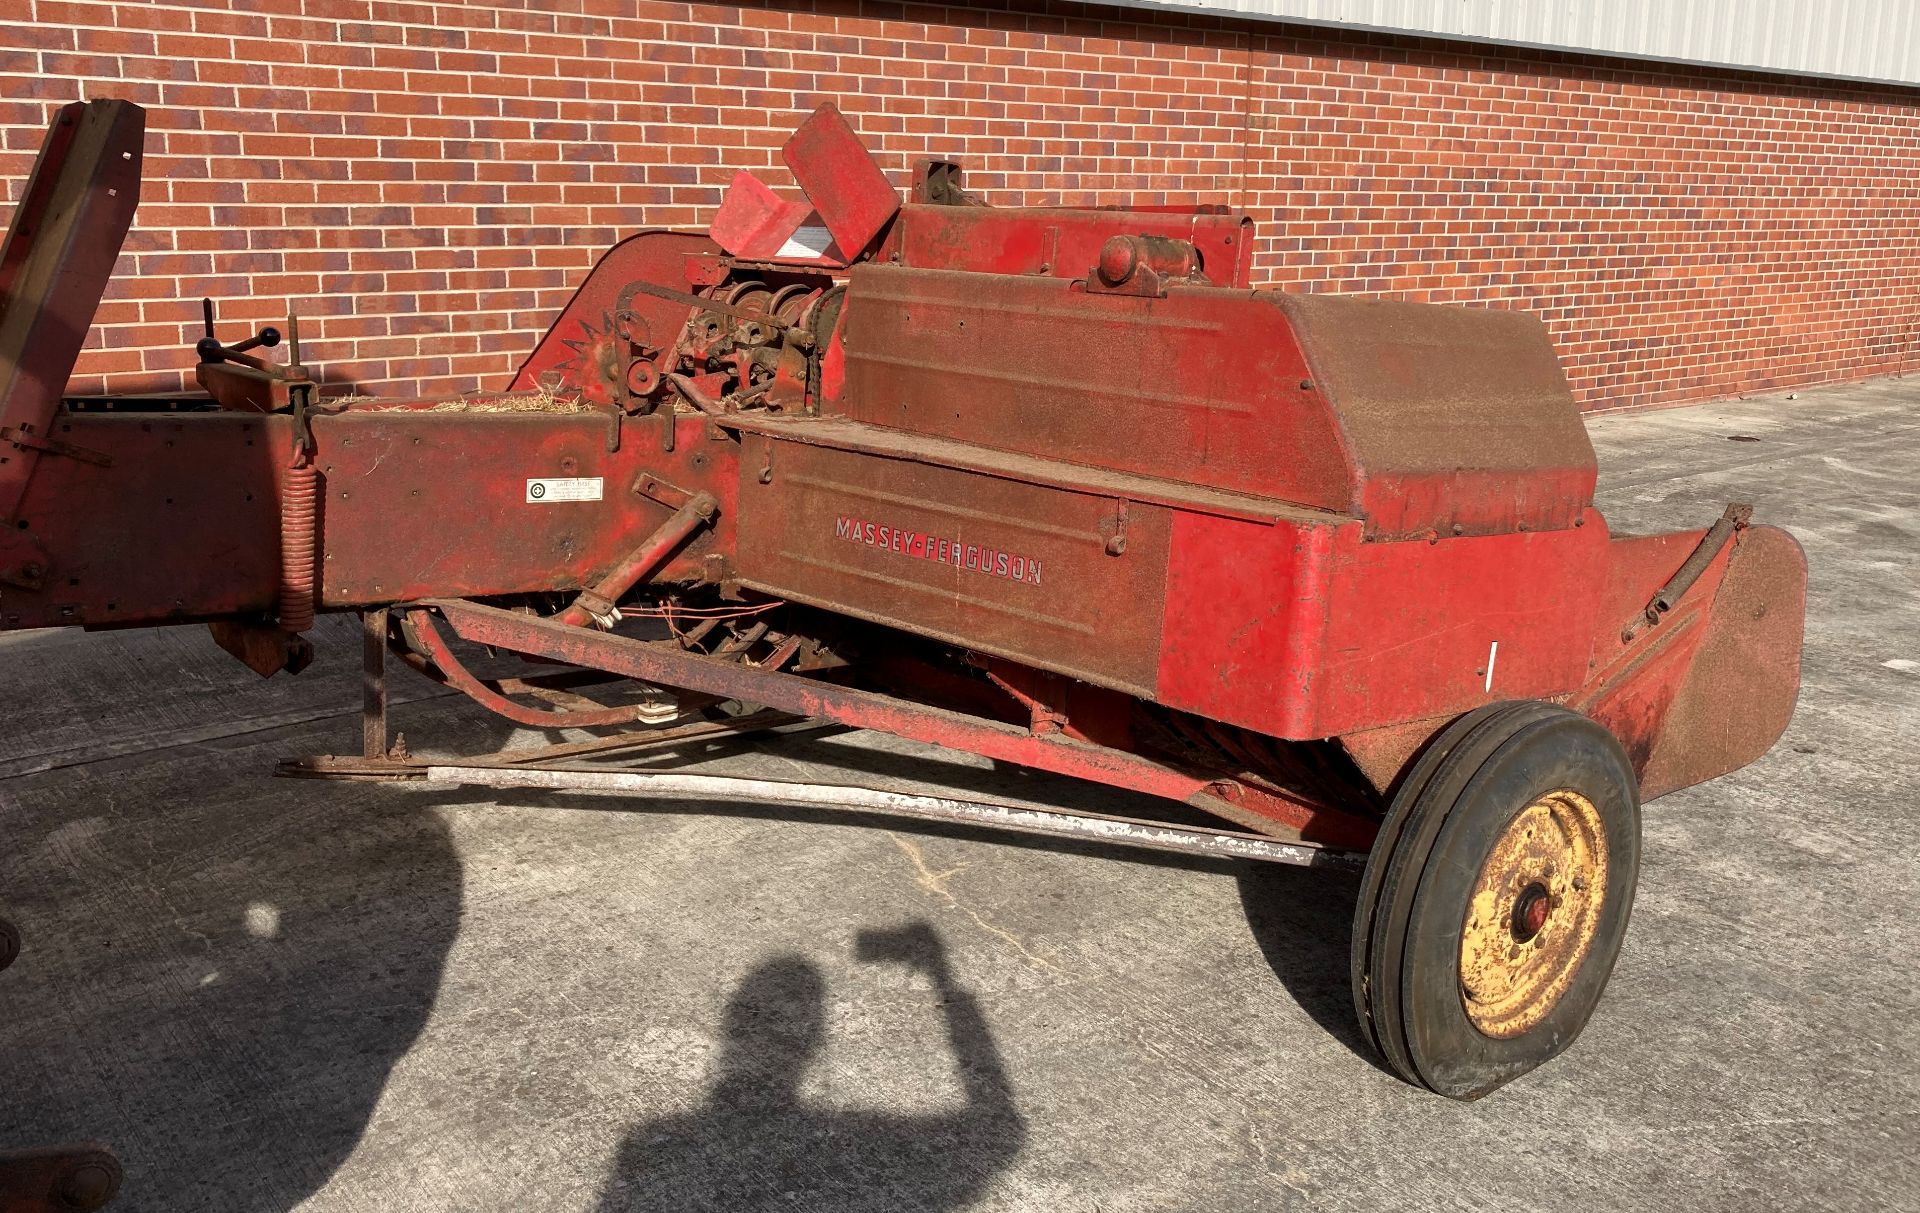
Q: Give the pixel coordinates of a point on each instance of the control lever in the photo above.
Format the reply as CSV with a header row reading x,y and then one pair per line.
x,y
210,349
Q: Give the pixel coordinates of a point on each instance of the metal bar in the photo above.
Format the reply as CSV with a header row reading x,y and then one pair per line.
x,y
373,683
598,602
642,741
1736,516
425,639
627,745
993,814
670,665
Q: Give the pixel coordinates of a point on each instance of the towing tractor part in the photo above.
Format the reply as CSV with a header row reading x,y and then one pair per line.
x,y
1054,486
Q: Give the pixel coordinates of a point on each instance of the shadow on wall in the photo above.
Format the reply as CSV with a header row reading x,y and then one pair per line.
x,y
220,995
757,1145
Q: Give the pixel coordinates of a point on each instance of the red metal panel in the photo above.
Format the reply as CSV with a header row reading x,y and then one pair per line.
x,y
573,348
1738,693
1457,420
55,264
1307,631
1200,387
1015,569
753,221
185,524
1059,243
1419,629
1711,686
840,179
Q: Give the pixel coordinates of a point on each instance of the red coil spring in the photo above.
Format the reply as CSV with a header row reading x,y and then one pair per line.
x,y
299,510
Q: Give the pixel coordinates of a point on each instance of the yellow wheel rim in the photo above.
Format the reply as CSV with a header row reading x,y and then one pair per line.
x,y
1534,911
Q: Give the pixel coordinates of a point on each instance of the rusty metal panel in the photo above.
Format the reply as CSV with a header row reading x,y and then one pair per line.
x,y
59,253
1201,387
185,524
1019,570
418,500
1454,417
1040,241
837,174
1738,694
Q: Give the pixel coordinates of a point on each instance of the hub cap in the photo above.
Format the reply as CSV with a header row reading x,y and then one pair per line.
x,y
1535,907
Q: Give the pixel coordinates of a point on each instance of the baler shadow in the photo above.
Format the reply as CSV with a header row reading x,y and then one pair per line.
x,y
221,989
756,1144
1303,921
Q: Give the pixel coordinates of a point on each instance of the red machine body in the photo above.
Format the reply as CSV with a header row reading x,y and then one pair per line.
x,y
1057,486
1304,517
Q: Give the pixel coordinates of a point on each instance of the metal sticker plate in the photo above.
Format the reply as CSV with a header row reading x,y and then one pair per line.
x,y
565,488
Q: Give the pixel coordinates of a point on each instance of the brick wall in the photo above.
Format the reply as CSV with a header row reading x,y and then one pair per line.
x,y
429,181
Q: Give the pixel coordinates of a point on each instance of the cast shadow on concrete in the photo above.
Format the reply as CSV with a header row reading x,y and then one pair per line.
x,y
1300,918
1303,921
757,1144
226,1013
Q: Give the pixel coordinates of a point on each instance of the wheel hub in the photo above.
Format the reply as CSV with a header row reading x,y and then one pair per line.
x,y
1535,907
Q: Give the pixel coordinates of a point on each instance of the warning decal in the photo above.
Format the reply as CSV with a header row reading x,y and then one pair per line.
x,y
565,488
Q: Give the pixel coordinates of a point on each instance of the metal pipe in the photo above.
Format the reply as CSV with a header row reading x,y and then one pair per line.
x,y
992,814
1736,516
596,604
694,396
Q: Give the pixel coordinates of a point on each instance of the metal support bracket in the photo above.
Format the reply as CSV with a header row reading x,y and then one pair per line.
x,y
23,438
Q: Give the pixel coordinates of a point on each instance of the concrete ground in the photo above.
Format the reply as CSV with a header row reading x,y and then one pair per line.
x,y
272,994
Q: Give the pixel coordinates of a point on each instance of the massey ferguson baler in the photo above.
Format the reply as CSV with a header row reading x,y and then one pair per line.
x,y
1057,487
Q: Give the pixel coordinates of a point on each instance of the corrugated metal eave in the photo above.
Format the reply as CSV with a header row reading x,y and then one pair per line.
x,y
1861,41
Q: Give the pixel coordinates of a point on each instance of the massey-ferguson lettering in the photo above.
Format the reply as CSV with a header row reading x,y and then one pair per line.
x,y
941,549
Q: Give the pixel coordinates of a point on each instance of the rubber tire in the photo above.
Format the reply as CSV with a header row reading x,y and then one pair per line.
x,y
9,943
1454,804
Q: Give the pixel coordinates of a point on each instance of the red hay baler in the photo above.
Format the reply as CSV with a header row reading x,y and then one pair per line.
x,y
1057,487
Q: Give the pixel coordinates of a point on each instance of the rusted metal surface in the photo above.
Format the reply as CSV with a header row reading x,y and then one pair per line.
x,y
670,666
841,180
59,253
427,641
1009,568
58,1179
1533,914
1736,697
1456,420
412,502
1664,598
597,604
1199,387
1059,243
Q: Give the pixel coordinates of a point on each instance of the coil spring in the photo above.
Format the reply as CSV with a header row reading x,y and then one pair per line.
x,y
299,508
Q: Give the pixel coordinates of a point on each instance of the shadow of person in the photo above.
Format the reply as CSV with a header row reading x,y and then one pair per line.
x,y
757,1145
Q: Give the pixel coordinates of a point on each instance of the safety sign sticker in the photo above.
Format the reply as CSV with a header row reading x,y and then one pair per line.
x,y
566,488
